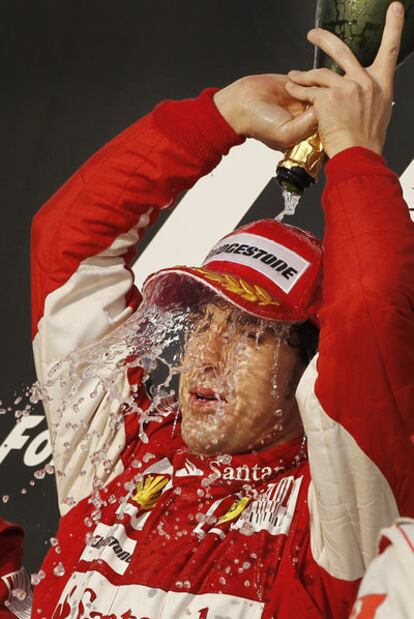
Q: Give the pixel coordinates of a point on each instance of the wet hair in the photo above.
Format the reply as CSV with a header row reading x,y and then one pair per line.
x,y
305,337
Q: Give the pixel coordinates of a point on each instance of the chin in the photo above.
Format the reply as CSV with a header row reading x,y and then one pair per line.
x,y
208,447
201,445
210,435
200,448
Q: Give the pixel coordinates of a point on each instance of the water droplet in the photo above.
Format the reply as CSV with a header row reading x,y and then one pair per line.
x,y
19,594
59,569
148,456
5,498
37,577
246,529
70,501
39,474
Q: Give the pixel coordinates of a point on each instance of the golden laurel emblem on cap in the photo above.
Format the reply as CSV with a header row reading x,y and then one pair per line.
x,y
254,294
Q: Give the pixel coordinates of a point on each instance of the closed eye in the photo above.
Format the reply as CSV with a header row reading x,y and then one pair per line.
x,y
253,335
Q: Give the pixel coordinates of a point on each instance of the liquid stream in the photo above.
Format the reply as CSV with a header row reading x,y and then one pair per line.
x,y
291,200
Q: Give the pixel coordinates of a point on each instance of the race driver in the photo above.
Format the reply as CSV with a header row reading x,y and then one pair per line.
x,y
229,517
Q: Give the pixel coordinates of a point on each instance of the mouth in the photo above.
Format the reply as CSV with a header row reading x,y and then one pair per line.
x,y
202,398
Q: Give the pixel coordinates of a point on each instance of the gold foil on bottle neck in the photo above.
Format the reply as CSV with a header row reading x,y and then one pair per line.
x,y
308,154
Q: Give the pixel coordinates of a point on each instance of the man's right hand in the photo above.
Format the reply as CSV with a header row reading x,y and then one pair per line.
x,y
354,109
258,106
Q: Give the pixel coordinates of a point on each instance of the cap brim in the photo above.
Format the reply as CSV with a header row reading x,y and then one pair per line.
x,y
175,286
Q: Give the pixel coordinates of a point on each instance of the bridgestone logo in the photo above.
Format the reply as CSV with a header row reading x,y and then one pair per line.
x,y
280,264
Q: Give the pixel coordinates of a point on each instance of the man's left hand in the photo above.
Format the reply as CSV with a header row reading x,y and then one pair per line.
x,y
353,110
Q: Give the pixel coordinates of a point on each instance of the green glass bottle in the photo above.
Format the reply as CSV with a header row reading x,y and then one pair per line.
x,y
360,24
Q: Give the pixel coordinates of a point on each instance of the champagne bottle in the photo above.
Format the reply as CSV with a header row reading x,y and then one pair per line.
x,y
359,23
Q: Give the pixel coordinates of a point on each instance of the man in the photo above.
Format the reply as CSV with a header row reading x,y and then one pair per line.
x,y
230,519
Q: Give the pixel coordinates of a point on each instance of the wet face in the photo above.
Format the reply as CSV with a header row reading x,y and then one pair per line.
x,y
237,383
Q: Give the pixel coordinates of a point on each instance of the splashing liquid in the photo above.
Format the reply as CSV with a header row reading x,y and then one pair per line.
x,y
154,341
291,200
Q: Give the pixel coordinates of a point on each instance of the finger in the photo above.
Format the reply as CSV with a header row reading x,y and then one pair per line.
x,y
316,77
297,129
307,94
386,61
338,51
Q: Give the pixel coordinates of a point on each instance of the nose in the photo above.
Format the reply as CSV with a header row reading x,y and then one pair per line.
x,y
211,350
211,353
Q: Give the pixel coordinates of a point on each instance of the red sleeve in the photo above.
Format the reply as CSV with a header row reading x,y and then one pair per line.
x,y
83,242
139,172
366,360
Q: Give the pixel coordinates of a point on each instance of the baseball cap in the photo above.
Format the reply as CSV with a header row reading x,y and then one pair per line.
x,y
269,269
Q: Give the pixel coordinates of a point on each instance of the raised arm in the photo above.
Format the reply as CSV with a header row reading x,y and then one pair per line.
x,y
84,236
84,239
82,285
357,397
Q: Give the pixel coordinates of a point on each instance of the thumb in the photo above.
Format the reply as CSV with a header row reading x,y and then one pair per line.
x,y
297,128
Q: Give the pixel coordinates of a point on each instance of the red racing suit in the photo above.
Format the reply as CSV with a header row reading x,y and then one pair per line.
x,y
297,544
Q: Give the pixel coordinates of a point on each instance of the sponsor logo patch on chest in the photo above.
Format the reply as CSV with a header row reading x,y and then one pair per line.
x,y
242,472
275,509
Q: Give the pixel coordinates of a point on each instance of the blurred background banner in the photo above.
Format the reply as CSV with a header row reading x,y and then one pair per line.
x,y
74,74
